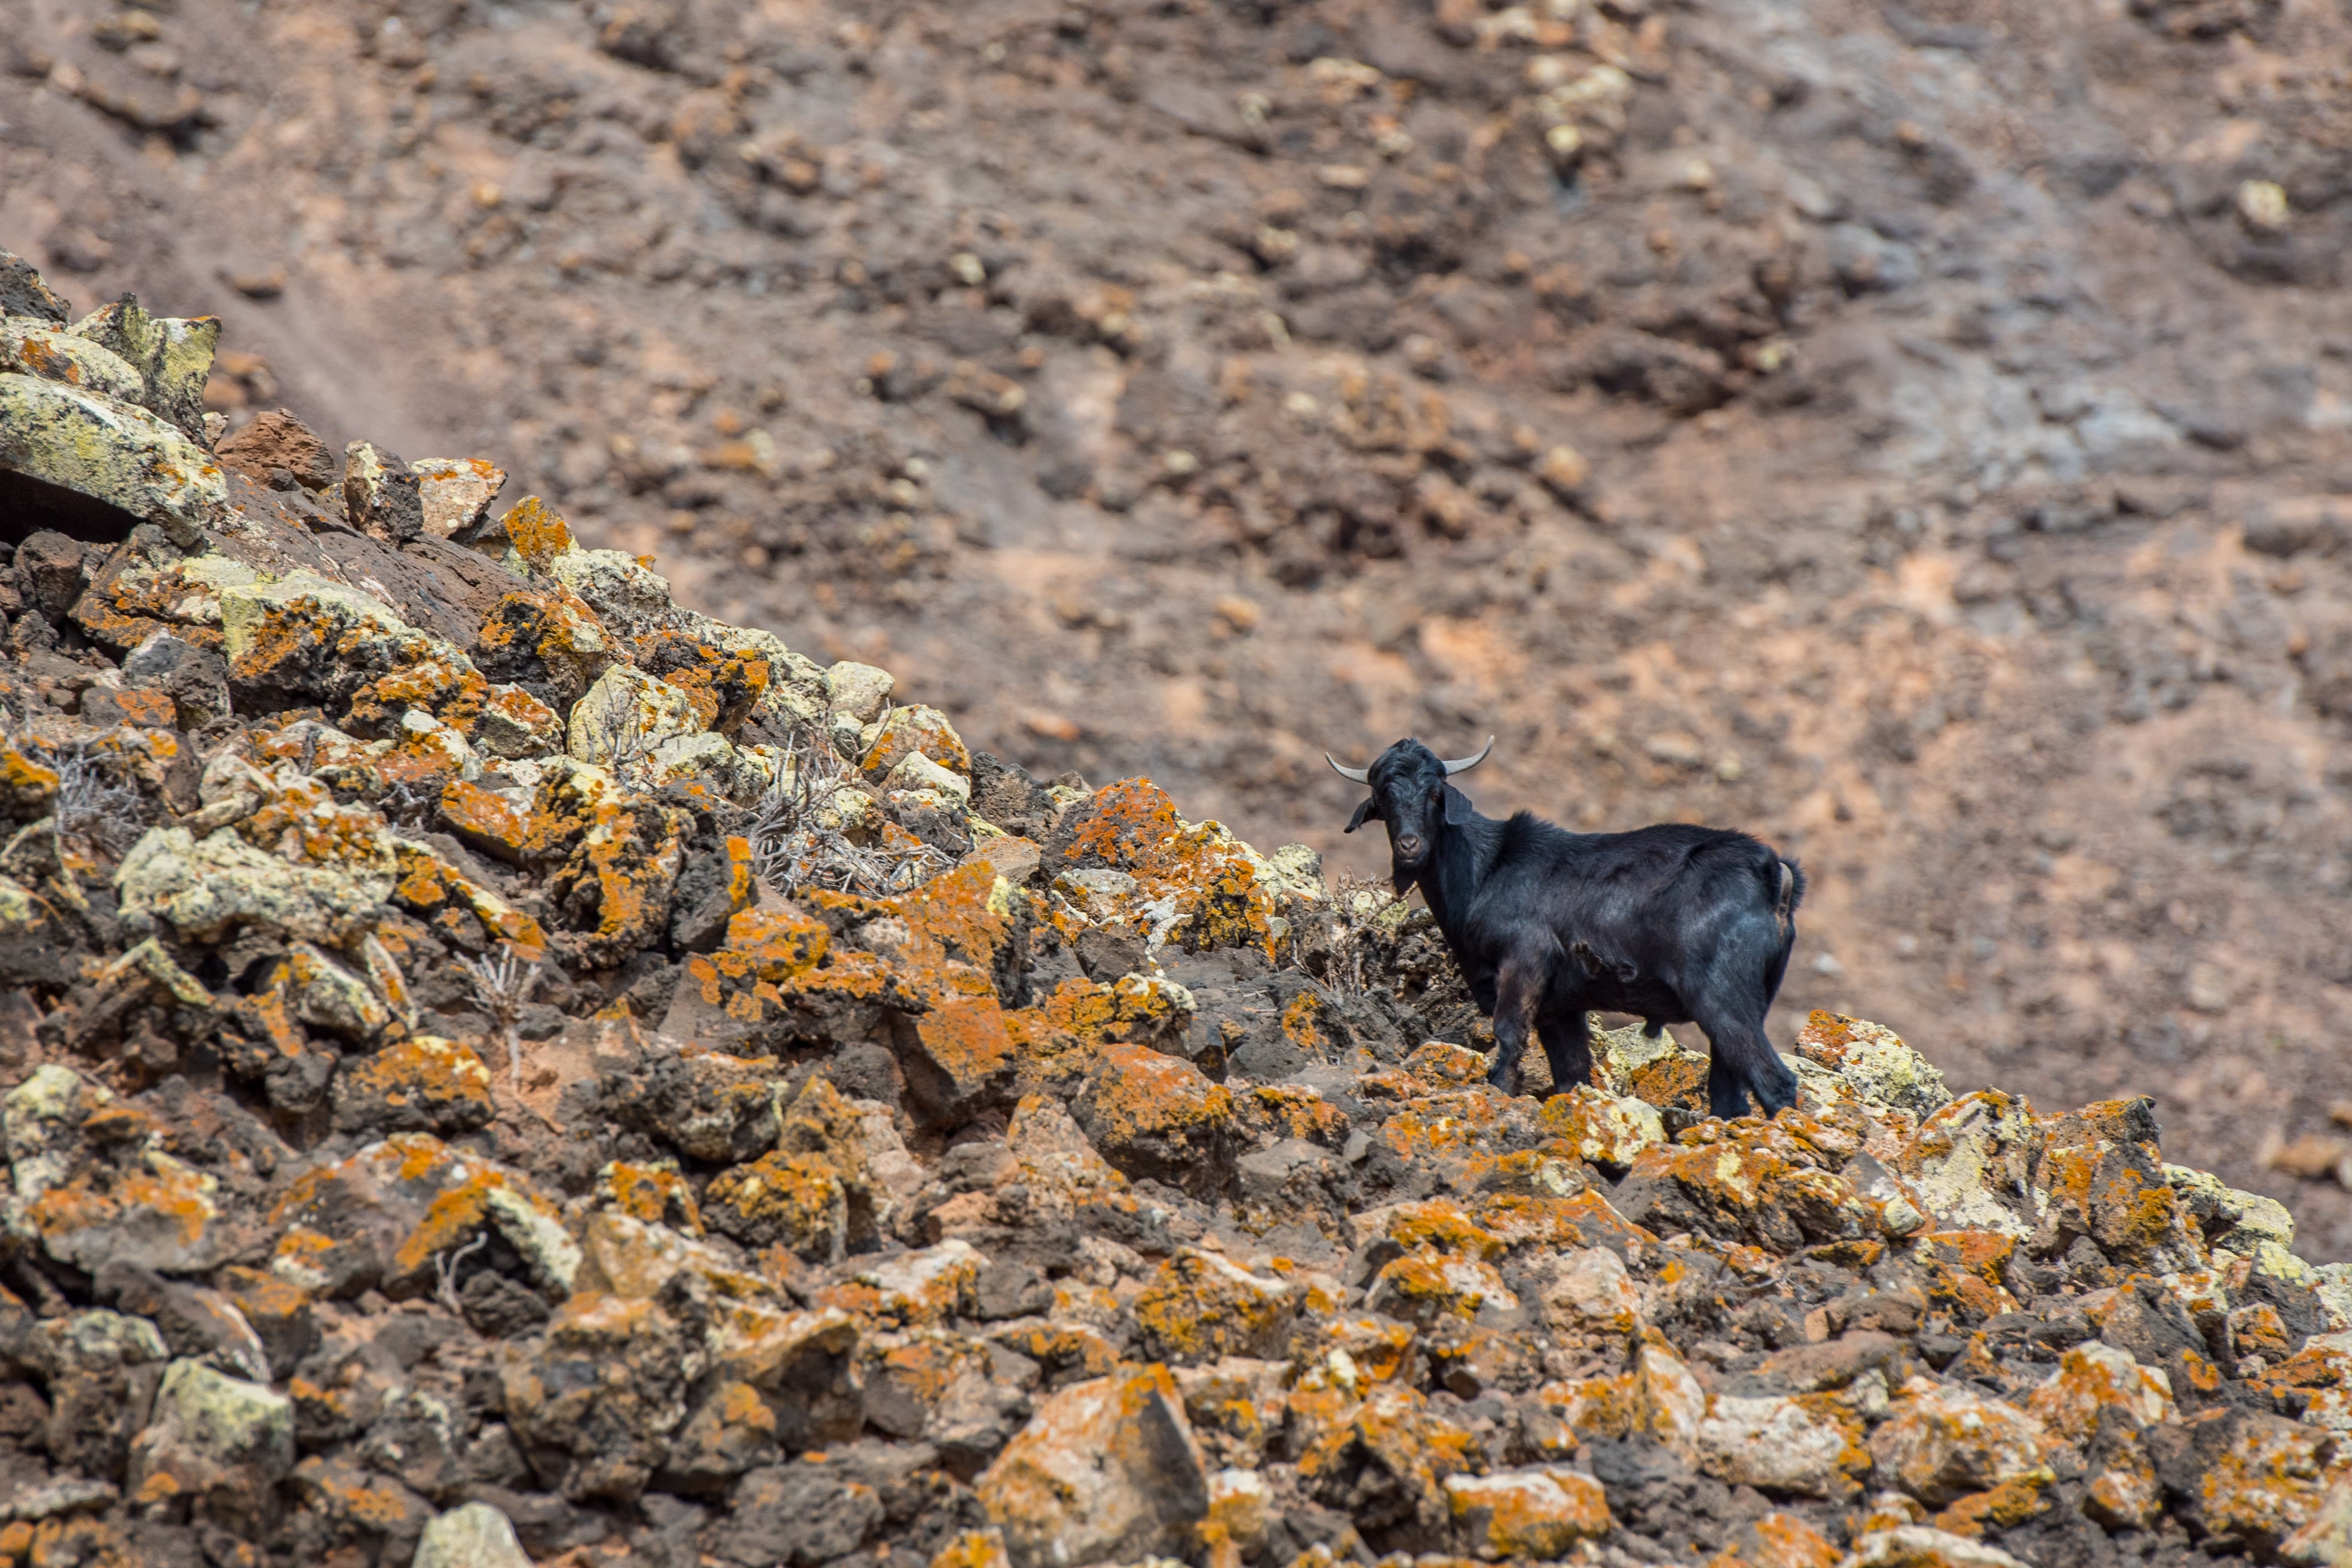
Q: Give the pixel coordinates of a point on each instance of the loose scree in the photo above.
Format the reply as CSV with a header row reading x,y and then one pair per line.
x,y
1672,923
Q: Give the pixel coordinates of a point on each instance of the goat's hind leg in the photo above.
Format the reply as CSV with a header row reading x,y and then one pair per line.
x,y
1741,1060
1568,1046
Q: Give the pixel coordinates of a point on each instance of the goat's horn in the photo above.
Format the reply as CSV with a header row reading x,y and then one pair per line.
x,y
1463,764
1353,775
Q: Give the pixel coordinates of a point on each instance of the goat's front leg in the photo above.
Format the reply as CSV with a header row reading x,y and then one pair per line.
x,y
1519,988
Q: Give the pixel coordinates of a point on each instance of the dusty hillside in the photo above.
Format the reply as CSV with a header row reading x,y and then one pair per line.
x,y
497,1067
1907,431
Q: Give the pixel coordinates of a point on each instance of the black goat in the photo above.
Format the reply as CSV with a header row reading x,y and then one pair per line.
x,y
1673,923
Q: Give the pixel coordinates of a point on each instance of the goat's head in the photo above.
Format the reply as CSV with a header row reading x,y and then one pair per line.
x,y
1411,797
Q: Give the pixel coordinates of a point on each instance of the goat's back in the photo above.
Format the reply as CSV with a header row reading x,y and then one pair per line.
x,y
1652,890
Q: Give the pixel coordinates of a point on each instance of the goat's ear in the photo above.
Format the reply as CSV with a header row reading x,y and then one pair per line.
x,y
1363,812
1458,809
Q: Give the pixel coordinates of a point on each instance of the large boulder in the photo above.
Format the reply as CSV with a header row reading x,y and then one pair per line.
x,y
1107,1470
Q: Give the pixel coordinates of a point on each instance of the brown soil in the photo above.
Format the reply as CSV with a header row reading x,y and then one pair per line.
x,y
1171,388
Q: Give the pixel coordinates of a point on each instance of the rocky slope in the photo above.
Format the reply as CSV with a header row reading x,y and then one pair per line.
x,y
1952,397
501,1068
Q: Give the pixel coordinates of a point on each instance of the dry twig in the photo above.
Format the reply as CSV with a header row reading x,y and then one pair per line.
x,y
1358,904
793,849
504,985
445,1265
93,808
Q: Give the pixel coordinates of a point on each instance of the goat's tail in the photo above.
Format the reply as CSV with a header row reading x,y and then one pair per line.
x,y
1785,883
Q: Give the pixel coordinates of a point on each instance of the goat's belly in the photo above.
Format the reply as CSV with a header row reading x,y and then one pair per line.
x,y
1658,1003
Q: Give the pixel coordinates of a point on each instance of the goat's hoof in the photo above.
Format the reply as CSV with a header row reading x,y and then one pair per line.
x,y
1507,1078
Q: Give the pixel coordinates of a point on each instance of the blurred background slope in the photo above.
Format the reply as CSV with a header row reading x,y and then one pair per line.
x,y
1914,432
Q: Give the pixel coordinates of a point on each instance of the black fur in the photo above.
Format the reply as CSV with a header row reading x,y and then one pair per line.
x,y
1673,923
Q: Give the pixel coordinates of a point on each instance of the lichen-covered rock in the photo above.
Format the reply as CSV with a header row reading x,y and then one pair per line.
x,y
1808,1446
626,715
380,494
453,495
596,1403
1158,1116
1107,1470
1200,1307
1921,1546
1872,1060
1940,1443
2247,1477
34,347
216,1442
111,451
1599,1128
2101,1175
1540,1512
474,1535
2094,1380
903,731
173,356
1382,1460
858,692
880,1185
793,1201
1972,1163
421,1084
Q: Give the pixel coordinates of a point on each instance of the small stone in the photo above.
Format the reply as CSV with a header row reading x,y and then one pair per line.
x,y
274,439
215,1439
381,497
421,1084
1942,1443
1200,1307
455,494
474,1536
1539,1512
49,571
858,692
2262,206
1564,471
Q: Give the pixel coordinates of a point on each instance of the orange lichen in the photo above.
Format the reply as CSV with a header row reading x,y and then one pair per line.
x,y
459,911
1199,1307
1219,900
537,533
443,1081
1440,1228
26,784
484,820
1290,1110
654,1194
794,1201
